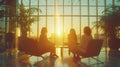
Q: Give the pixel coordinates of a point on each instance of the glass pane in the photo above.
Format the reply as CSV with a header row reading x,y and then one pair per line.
x,y
76,2
67,27
100,2
76,11
84,10
59,25
50,10
50,2
92,10
84,2
59,2
84,22
67,10
59,10
50,26
76,24
42,22
34,29
92,25
26,2
92,2
67,2
34,2
42,2
92,21
67,24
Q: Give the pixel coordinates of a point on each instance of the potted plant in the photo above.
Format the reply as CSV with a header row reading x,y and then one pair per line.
x,y
25,19
110,22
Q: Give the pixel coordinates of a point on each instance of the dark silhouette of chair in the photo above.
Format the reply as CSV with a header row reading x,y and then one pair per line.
x,y
93,49
71,51
31,47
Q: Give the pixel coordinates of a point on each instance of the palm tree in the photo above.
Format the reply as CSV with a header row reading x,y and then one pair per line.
x,y
25,20
110,22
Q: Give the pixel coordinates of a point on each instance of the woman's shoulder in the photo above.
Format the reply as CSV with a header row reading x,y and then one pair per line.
x,y
84,35
87,36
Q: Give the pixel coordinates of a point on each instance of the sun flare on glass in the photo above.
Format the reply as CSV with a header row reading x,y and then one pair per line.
x,y
58,29
58,26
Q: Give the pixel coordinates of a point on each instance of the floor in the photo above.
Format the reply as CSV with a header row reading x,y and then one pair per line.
x,y
16,59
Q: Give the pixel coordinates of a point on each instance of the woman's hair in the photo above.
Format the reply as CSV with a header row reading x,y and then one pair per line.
x,y
44,30
72,31
87,30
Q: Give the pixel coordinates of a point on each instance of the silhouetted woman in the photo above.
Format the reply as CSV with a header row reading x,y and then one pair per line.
x,y
72,41
86,37
45,43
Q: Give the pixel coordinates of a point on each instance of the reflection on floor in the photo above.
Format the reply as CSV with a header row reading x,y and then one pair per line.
x,y
15,59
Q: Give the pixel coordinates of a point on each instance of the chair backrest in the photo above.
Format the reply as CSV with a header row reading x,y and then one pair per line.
x,y
93,48
30,46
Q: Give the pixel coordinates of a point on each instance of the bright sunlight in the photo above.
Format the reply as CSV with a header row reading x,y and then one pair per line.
x,y
58,28
58,25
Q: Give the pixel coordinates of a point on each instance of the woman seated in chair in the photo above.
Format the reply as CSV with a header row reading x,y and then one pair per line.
x,y
85,39
72,42
45,44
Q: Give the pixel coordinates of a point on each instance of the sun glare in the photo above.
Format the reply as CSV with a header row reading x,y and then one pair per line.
x,y
58,31
58,28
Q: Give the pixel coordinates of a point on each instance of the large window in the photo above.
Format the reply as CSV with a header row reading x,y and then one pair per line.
x,y
61,15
